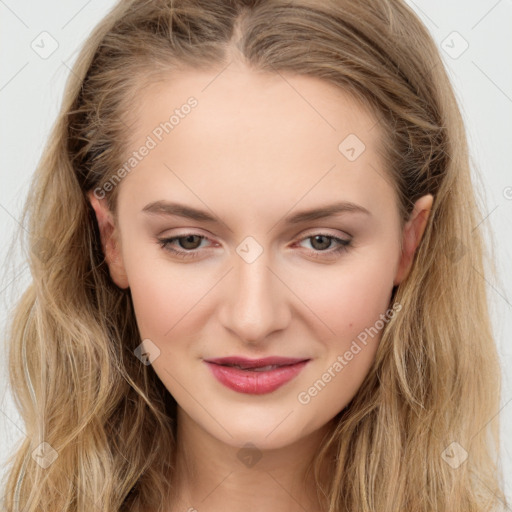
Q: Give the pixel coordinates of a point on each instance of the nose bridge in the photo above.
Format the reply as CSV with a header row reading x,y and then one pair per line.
x,y
255,303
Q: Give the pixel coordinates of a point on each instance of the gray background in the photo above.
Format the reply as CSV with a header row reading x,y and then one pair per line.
x,y
31,86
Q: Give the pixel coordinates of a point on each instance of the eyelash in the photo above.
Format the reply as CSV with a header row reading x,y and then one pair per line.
x,y
165,244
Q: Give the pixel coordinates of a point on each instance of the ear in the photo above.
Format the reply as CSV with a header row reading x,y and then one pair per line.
x,y
411,236
109,240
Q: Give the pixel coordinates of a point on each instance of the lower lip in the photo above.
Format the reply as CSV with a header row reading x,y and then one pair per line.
x,y
255,383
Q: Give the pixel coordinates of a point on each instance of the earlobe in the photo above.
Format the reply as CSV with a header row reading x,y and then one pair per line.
x,y
109,240
412,234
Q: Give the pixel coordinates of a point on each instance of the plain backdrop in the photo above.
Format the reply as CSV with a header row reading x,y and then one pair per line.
x,y
39,43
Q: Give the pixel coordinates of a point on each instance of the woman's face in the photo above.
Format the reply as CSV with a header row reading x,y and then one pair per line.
x,y
257,222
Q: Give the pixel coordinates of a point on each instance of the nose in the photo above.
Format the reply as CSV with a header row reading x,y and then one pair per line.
x,y
255,301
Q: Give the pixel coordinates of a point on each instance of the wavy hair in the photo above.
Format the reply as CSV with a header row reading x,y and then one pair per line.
x,y
434,388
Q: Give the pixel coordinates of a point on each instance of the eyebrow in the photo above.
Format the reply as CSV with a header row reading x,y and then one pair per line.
x,y
162,207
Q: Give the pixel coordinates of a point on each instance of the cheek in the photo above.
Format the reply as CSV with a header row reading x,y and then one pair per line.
x,y
159,293
350,296
168,297
354,303
152,301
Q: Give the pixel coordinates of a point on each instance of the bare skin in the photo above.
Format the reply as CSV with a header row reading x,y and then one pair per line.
x,y
253,152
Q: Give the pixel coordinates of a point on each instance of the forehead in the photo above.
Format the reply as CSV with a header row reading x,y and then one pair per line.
x,y
251,133
239,97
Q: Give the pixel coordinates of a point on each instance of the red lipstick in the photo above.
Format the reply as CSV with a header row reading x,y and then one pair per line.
x,y
255,376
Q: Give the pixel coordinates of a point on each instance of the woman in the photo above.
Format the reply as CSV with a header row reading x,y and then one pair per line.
x,y
256,282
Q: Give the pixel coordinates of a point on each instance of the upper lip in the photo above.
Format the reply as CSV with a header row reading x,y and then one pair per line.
x,y
255,363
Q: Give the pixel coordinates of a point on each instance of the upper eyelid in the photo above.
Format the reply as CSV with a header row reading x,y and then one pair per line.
x,y
325,232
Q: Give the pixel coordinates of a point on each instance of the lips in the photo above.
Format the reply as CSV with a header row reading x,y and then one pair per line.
x,y
255,376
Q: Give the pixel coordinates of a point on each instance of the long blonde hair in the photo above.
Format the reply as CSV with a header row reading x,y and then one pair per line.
x,y
433,393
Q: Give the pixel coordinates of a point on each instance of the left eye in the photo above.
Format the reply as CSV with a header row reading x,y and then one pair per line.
x,y
322,239
189,243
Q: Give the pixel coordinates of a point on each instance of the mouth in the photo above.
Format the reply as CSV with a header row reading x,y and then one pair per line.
x,y
256,376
